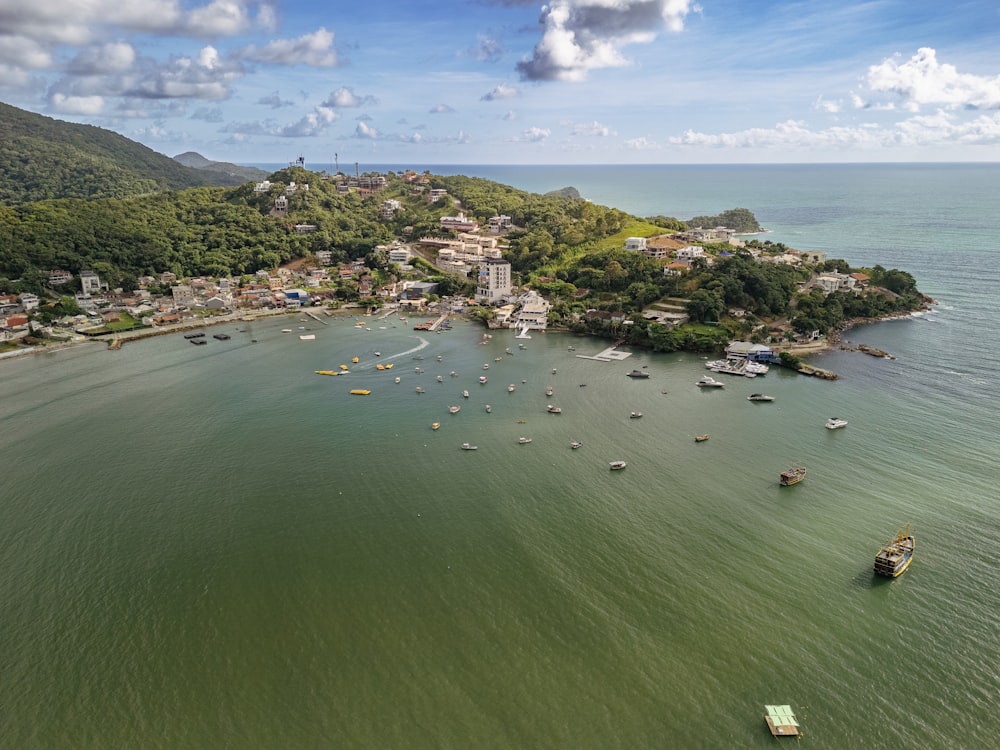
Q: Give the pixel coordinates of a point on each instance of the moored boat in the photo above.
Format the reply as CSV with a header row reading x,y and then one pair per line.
x,y
635,415
617,465
524,440
835,423
895,556
759,397
575,444
638,374
469,447
483,379
435,425
781,721
360,392
792,476
708,381
701,438
553,409
465,394
454,409
510,388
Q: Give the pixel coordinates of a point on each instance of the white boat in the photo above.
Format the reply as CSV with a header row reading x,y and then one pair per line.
x,y
835,423
397,378
617,465
488,408
523,440
575,444
453,374
486,365
286,330
454,409
307,337
465,394
419,389
635,415
483,379
510,388
553,409
759,397
440,379
709,382
469,447
548,390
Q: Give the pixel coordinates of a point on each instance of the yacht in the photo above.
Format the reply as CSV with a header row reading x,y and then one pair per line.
x,y
524,440
575,444
759,397
708,381
834,423
553,409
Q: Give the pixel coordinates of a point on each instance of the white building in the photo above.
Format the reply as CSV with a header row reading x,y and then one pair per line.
x,y
493,283
635,244
459,223
534,312
183,295
689,253
498,224
90,283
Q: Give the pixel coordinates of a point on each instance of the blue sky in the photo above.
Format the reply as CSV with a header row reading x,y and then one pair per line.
x,y
515,81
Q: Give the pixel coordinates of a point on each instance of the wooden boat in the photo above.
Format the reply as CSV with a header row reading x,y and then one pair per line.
x,y
701,438
792,476
895,556
360,392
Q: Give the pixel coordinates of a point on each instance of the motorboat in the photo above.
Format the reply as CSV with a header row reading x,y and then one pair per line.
x,y
440,379
635,415
486,365
510,388
617,465
701,438
553,409
759,397
638,374
465,394
419,389
483,379
397,378
435,425
548,390
708,381
454,409
575,444
835,423
792,476
469,447
488,408
523,440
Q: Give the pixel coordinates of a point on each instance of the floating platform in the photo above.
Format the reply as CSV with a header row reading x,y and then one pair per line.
x,y
781,721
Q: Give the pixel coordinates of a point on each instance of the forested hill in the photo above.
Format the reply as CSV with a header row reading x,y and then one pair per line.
x,y
42,158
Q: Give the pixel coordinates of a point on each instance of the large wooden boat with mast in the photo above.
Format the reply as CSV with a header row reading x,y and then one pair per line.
x,y
895,556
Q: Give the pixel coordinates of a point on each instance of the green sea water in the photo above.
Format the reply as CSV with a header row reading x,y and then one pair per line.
x,y
214,547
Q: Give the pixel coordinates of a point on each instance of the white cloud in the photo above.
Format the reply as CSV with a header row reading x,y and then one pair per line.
x,y
441,109
641,144
345,98
503,91
77,105
532,135
593,128
583,35
922,80
218,18
366,131
315,50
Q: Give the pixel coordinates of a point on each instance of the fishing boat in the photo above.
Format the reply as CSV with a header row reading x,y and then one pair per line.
x,y
701,438
792,476
435,425
388,366
344,368
617,465
454,409
895,556
380,366
221,336
354,360
193,335
469,447
523,440
835,423
360,392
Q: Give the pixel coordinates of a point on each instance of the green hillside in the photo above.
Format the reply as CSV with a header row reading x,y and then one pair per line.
x,y
42,158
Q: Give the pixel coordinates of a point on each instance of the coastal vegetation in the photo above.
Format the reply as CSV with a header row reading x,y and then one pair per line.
x,y
150,221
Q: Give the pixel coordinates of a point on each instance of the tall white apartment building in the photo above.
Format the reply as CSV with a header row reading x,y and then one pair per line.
x,y
493,283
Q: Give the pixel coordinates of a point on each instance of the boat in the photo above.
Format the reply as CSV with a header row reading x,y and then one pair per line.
x,y
834,423
360,392
454,409
307,337
522,421
759,397
617,465
548,390
498,359
286,330
895,556
483,379
193,335
388,366
354,360
488,408
553,409
701,438
638,374
553,371
397,379
708,381
379,366
521,346
327,372
510,388
635,415
440,379
221,336
435,425
781,721
792,476
486,365
419,389
198,341
524,440
417,370
453,374
344,368
469,447
378,354
465,394
439,358
575,444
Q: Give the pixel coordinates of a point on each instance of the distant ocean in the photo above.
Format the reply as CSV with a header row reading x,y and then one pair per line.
x,y
212,546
